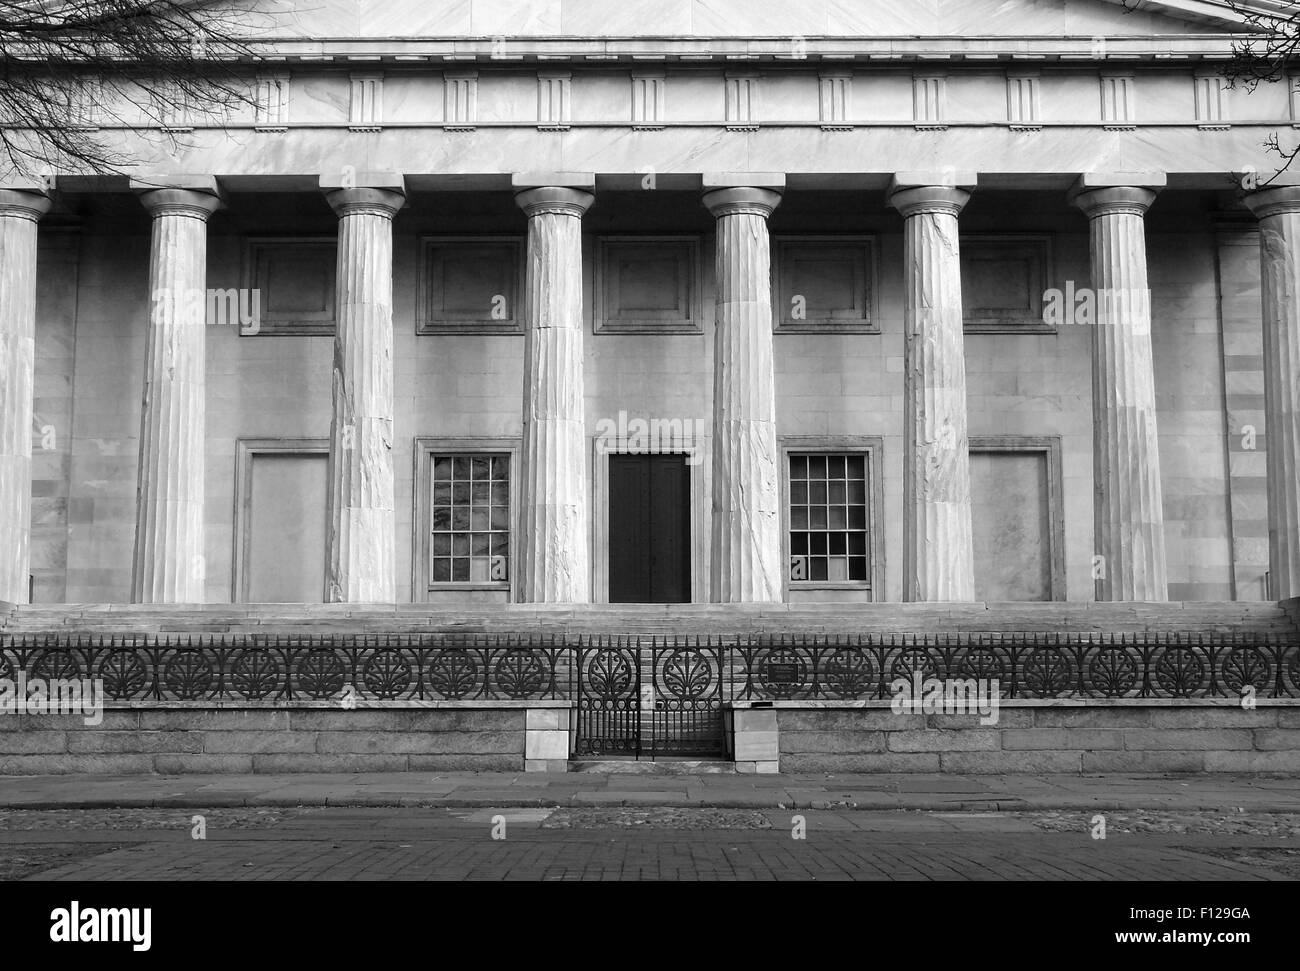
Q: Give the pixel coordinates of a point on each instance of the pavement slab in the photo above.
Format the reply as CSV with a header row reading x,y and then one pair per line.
x,y
785,791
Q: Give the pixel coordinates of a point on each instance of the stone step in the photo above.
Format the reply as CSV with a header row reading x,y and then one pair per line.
x,y
661,766
650,620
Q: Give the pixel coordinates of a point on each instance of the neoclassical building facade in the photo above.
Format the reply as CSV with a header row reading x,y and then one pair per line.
x,y
509,382
494,302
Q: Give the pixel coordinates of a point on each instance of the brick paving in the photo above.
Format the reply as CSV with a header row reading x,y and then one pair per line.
x,y
639,843
622,826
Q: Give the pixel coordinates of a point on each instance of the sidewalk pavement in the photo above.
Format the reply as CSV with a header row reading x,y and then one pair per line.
x,y
1003,793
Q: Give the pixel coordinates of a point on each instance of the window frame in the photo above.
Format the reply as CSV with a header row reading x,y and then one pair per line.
x,y
871,448
422,586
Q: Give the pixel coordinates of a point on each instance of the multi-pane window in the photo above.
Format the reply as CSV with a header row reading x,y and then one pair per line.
x,y
470,519
828,518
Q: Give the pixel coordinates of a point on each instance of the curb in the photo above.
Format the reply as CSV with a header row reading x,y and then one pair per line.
x,y
894,804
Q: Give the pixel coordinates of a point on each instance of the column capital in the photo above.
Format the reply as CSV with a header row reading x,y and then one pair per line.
x,y
558,199
365,200
360,193
196,196
741,200
1273,200
1114,193
24,202
914,200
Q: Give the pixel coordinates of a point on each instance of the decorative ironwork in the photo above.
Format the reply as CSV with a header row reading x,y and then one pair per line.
x,y
609,697
262,670
318,673
452,672
387,673
687,680
1025,665
651,697
685,715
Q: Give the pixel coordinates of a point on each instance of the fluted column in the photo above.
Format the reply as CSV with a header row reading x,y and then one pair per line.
x,y
939,557
361,552
170,564
746,493
1278,210
20,210
1129,515
553,554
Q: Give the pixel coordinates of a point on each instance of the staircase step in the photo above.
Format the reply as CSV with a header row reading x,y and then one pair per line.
x,y
667,766
647,620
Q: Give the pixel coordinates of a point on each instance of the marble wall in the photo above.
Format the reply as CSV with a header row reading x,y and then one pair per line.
x,y
91,329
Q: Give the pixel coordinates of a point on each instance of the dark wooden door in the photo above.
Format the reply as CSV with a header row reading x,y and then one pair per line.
x,y
649,529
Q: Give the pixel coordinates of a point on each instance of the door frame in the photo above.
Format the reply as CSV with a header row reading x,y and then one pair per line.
x,y
1048,446
696,457
247,449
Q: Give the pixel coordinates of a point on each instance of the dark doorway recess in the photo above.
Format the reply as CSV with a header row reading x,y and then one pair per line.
x,y
649,529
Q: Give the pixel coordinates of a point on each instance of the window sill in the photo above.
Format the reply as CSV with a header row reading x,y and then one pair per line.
x,y
451,586
859,585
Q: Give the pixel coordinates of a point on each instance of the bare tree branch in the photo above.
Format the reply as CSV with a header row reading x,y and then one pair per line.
x,y
1264,56
150,67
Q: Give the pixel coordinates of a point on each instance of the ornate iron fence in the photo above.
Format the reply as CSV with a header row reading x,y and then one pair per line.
x,y
253,668
651,696
690,681
691,676
1064,665
609,697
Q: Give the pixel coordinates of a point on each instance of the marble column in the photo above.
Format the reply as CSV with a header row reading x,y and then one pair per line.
x,y
361,551
939,557
553,547
1129,513
746,480
170,563
1278,210
20,210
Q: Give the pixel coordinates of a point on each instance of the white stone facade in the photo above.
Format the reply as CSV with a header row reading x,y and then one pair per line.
x,y
874,237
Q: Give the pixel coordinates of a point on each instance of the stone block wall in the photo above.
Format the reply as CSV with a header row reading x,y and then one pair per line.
x,y
1048,738
188,740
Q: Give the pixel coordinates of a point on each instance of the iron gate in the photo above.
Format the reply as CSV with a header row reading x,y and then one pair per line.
x,y
650,700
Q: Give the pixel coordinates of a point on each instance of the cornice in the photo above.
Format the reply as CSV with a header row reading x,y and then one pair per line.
x,y
736,52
